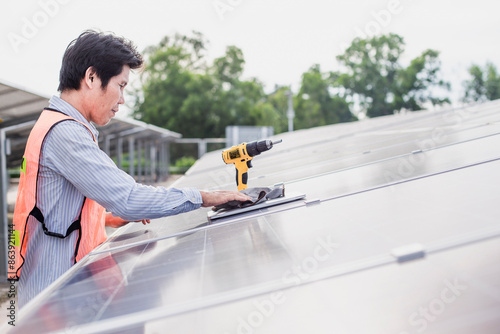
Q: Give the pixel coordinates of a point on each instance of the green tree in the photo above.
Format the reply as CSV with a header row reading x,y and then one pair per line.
x,y
229,68
175,90
181,92
483,85
413,83
273,109
374,77
242,101
315,105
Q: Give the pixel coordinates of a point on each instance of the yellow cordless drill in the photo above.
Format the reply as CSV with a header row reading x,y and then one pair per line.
x,y
240,155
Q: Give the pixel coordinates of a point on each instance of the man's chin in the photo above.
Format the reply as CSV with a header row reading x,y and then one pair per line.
x,y
103,123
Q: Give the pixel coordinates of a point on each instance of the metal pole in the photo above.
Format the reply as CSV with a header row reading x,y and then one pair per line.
x,y
131,169
202,148
147,162
119,147
152,161
167,159
290,113
139,161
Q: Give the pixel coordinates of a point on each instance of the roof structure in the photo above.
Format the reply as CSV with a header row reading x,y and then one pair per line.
x,y
399,233
20,108
19,105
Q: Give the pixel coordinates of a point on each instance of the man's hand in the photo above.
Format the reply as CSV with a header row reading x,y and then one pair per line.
x,y
212,198
116,222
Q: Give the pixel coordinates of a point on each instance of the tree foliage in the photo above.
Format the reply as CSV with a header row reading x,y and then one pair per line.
x,y
182,92
374,76
175,87
483,85
315,103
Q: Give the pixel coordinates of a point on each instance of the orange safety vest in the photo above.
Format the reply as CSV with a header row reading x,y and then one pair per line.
x,y
91,222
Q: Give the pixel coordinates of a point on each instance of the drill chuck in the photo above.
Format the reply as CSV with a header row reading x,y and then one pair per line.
x,y
257,147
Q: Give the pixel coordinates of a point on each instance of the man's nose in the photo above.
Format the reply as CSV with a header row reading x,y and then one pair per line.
x,y
122,98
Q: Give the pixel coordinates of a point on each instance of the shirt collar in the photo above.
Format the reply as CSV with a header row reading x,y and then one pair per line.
x,y
59,104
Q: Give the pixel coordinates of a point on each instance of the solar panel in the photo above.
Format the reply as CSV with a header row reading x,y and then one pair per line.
x,y
398,233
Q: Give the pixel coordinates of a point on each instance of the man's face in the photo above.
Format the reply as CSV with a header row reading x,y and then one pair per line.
x,y
105,102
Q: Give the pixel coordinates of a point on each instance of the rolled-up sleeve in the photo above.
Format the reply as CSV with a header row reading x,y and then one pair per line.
x,y
90,170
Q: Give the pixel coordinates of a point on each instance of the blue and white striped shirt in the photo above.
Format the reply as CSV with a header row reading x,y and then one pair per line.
x,y
72,166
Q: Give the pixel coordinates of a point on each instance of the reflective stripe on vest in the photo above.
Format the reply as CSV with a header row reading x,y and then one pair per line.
x,y
90,223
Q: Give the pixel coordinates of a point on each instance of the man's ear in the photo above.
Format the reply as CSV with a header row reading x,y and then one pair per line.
x,y
90,78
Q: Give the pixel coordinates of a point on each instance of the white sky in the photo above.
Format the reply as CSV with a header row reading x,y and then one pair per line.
x,y
280,39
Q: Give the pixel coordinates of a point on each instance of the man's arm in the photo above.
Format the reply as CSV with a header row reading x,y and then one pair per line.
x,y
116,222
220,197
211,198
80,161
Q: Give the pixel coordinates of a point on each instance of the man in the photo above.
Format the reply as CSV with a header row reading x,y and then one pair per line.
x,y
67,181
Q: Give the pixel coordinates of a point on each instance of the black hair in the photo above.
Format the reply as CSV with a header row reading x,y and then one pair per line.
x,y
105,53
